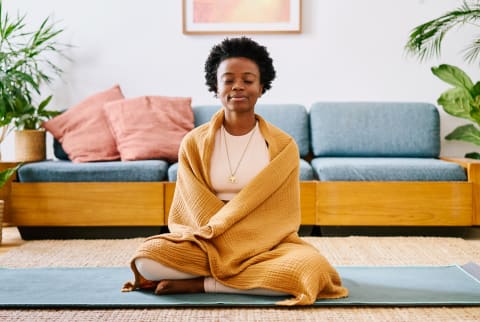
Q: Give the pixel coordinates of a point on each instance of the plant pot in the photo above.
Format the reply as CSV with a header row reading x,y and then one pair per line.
x,y
30,145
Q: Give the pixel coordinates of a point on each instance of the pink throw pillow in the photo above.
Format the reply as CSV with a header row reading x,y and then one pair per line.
x,y
83,129
149,127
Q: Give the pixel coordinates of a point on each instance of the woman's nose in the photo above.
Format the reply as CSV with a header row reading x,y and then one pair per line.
x,y
237,85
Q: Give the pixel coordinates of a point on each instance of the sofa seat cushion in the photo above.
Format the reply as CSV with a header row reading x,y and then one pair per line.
x,y
306,171
387,169
113,171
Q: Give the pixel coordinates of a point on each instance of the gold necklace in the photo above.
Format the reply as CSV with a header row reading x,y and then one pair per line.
x,y
232,178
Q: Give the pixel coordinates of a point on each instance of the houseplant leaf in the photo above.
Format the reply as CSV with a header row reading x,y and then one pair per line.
x,y
7,173
43,113
473,155
457,102
476,90
467,133
44,103
453,76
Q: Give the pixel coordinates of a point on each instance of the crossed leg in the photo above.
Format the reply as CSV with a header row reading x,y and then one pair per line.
x,y
167,279
172,281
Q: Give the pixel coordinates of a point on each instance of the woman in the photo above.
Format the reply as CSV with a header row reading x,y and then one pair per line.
x,y
236,211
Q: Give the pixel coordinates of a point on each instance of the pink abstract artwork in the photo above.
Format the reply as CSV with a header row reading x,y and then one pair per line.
x,y
241,16
241,11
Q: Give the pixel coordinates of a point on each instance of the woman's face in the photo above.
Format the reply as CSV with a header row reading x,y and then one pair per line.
x,y
238,83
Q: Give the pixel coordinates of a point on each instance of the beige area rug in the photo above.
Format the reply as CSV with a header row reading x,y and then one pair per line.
x,y
384,251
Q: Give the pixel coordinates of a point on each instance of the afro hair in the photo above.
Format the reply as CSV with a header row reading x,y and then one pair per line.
x,y
239,47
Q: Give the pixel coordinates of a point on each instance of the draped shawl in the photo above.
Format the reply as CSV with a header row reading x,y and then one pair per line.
x,y
251,241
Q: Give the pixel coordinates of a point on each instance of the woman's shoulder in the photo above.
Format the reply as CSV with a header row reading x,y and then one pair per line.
x,y
197,132
195,137
276,138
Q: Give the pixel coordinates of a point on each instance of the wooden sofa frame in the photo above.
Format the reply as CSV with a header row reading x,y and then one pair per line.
x,y
335,203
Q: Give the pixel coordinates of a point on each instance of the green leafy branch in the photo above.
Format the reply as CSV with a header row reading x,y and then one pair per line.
x,y
7,173
25,64
462,100
425,40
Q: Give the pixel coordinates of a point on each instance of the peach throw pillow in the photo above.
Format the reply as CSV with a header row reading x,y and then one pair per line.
x,y
149,127
83,130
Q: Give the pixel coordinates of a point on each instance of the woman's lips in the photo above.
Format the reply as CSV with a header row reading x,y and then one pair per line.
x,y
237,98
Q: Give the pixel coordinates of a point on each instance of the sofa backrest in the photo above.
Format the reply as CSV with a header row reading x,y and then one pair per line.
x,y
291,118
376,129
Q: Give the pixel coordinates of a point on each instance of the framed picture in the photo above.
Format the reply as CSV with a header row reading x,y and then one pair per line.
x,y
242,16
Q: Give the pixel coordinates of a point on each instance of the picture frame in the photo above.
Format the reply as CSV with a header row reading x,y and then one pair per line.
x,y
241,16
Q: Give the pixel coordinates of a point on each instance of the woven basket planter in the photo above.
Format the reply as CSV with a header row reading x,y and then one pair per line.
x,y
30,145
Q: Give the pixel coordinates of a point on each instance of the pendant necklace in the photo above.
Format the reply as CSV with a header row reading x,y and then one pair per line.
x,y
232,178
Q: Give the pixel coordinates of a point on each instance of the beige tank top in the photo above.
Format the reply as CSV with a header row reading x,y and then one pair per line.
x,y
232,169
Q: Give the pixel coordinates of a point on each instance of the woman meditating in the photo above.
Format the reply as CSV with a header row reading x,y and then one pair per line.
x,y
235,213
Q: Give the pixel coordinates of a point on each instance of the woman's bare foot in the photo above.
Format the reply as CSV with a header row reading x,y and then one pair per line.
x,y
194,285
142,284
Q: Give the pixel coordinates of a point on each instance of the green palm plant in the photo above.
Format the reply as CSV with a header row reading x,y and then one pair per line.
x,y
25,64
425,40
463,99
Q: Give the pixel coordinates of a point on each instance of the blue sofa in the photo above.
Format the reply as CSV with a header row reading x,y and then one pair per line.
x,y
343,141
350,154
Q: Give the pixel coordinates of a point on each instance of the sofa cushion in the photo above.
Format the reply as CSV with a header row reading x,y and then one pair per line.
x,y
386,169
113,171
379,129
306,171
149,127
83,131
291,118
172,172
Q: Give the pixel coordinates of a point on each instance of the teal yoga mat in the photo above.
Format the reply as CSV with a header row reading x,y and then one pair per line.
x,y
372,286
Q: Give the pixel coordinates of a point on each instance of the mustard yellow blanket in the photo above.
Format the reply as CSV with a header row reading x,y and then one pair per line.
x,y
251,241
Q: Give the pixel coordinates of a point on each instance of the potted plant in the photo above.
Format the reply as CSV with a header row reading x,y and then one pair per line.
x,y
463,99
5,175
26,63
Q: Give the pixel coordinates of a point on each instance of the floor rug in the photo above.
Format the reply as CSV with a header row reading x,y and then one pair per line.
x,y
341,251
99,287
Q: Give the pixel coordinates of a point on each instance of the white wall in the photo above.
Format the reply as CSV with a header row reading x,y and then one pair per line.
x,y
348,50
